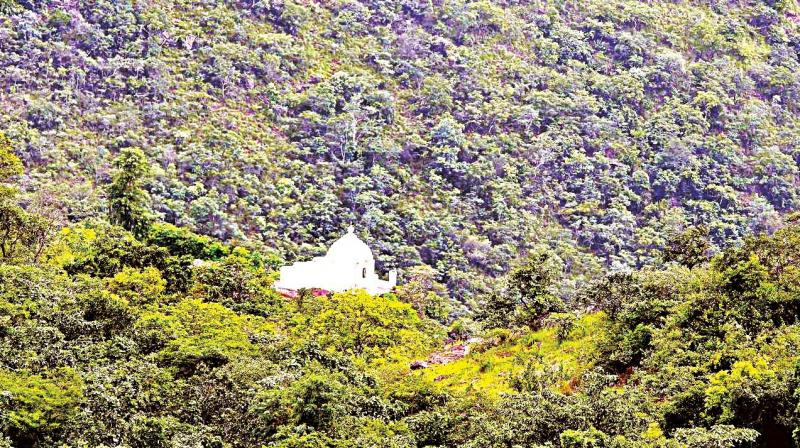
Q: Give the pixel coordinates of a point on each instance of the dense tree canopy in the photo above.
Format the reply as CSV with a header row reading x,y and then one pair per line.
x,y
172,339
455,133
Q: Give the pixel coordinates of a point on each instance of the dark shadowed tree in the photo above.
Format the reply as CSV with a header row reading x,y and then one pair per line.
x,y
128,201
18,229
689,248
527,297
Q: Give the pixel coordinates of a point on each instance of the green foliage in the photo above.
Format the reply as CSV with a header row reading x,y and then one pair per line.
x,y
458,134
716,436
317,400
97,346
564,323
10,165
590,438
233,281
528,296
13,229
32,403
138,287
427,296
128,201
689,248
357,323
180,241
223,361
22,235
193,332
99,249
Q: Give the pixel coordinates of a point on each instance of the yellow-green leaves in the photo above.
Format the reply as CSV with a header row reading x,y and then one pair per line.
x,y
10,165
193,331
138,287
370,326
744,384
38,401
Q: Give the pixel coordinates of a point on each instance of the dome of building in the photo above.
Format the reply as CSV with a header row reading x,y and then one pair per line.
x,y
349,264
349,247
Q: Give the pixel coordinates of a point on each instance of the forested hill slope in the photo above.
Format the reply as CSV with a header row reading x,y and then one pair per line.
x,y
451,133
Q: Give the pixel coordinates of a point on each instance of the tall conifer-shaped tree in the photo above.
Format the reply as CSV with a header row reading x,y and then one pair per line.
x,y
10,166
21,233
12,217
128,201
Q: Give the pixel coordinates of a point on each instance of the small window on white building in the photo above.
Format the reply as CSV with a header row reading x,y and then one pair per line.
x,y
364,273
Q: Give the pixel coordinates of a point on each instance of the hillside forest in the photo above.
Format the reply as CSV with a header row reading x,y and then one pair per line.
x,y
455,134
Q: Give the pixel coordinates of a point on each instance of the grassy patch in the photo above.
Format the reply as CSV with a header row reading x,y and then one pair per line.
x,y
492,365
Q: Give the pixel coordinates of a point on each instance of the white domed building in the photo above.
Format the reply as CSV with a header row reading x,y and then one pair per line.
x,y
348,264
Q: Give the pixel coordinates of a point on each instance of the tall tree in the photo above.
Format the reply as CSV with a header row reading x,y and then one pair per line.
x,y
10,166
689,248
128,201
526,296
13,218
